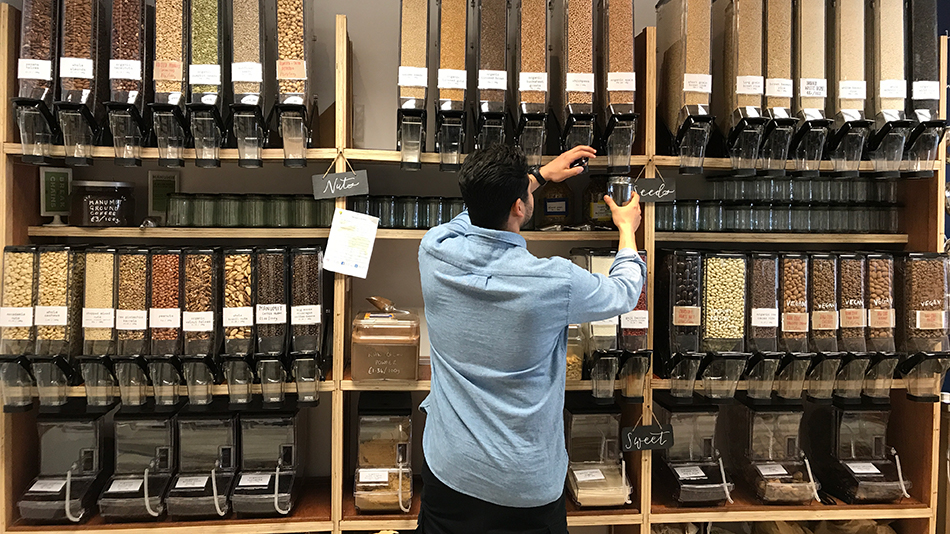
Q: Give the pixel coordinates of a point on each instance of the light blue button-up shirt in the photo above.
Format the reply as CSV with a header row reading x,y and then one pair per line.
x,y
497,319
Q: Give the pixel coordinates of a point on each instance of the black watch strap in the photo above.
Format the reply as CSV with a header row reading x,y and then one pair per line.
x,y
538,177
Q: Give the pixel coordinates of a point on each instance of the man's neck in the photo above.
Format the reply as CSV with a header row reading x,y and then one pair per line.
x,y
514,225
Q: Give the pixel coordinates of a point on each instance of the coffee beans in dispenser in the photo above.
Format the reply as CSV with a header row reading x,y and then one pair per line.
x,y
36,69
127,68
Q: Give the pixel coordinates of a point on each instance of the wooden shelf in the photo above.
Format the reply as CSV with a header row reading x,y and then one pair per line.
x,y
219,390
717,164
386,233
661,383
779,238
178,233
150,154
424,384
433,158
310,514
593,517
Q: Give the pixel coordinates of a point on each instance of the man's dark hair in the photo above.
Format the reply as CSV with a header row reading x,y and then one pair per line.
x,y
492,179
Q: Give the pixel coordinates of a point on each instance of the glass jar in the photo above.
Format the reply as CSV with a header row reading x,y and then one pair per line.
x,y
860,190
254,211
204,207
820,218
891,220
718,188
553,205
859,219
762,218
326,207
710,216
743,217
800,218
228,211
455,207
596,212
430,212
101,203
664,216
801,190
736,189
407,212
359,204
730,212
686,215
841,190
781,217
374,206
305,211
821,189
886,191
278,212
763,189
782,189
387,211
838,221
180,210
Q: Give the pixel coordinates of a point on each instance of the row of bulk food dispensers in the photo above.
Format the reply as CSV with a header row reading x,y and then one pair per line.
x,y
821,324
80,91
140,319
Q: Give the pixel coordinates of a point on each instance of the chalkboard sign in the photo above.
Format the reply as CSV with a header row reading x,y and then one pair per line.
x,y
54,191
643,438
656,189
340,184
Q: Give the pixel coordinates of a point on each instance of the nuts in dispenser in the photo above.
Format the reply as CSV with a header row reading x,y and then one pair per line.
x,y
793,302
881,316
923,315
16,316
822,302
724,302
852,309
238,312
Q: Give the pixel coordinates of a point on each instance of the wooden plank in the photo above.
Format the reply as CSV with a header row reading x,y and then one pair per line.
x,y
661,384
393,156
914,431
780,238
650,90
9,52
726,164
178,233
148,154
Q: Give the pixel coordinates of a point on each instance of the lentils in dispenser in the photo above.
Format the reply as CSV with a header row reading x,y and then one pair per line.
x,y
881,316
852,302
779,87
823,303
238,311
724,304
620,84
98,313
492,72
131,315
200,315
793,302
247,54
763,290
413,81
170,76
306,311
887,86
19,287
450,119
923,312
35,71
383,467
205,79
59,293
271,315
164,316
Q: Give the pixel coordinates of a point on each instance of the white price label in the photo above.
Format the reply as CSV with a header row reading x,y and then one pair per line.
x,y
413,76
533,81
931,320
621,81
204,74
254,480
305,315
452,79
771,470
247,71
852,90
52,315
893,89
164,318
580,82
765,317
779,88
493,79
192,482
555,207
813,87
75,67
234,317
589,475
125,69
16,317
690,472
637,319
612,323
34,69
697,83
197,321
131,319
750,85
47,486
922,90
374,476
98,318
251,100
125,486
271,313
863,468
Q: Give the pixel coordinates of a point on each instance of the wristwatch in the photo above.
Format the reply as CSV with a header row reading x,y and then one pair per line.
x,y
538,177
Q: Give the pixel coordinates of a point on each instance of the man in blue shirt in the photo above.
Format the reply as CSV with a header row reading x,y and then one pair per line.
x,y
495,460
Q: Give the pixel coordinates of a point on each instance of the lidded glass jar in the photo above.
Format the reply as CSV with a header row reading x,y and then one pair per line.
x,y
305,211
686,215
254,209
228,212
204,211
407,212
180,210
278,211
710,216
664,216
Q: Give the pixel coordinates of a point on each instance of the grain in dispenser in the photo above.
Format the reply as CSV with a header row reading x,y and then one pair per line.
x,y
127,125
170,76
578,115
205,76
533,84
492,72
810,82
923,104
36,69
293,87
248,127
848,86
738,79
384,447
620,84
413,82
450,118
779,88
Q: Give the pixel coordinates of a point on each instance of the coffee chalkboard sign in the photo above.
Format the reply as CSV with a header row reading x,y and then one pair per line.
x,y
643,438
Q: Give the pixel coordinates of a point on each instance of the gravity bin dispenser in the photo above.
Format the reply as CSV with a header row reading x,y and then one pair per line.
x,y
848,87
620,86
779,89
74,463
36,71
923,101
268,485
810,88
247,127
169,127
450,119
413,83
492,116
532,64
205,80
127,127
293,89
578,116
597,474
384,464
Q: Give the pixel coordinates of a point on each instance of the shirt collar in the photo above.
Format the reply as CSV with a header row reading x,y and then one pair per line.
x,y
503,236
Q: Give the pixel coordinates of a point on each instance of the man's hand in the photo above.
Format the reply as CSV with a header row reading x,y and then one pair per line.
x,y
560,169
627,219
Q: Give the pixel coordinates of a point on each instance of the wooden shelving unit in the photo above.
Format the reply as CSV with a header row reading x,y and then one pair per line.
x,y
327,505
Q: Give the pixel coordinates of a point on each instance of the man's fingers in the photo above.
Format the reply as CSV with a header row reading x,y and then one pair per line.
x,y
581,151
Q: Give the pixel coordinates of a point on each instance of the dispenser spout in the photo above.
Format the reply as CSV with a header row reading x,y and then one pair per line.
x,y
619,135
249,130
207,127
128,130
295,132
38,130
450,138
171,134
79,132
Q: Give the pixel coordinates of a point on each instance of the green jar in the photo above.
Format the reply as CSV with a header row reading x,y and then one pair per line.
x,y
305,211
278,211
254,211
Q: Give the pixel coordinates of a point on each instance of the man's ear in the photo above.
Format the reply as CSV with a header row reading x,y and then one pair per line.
x,y
518,209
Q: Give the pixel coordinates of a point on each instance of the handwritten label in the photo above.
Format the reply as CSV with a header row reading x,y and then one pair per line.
x,y
533,81
637,319
75,67
652,437
862,468
305,315
125,69
374,476
34,69
555,206
413,76
247,71
351,241
192,482
52,315
47,486
931,320
580,82
197,321
853,89
271,314
881,318
655,189
340,184
765,317
697,83
853,318
233,317
794,322
164,318
813,87
621,81
750,85
589,475
779,88
893,89
204,74
98,318
131,485
824,320
921,90
687,315
452,79
105,210
168,71
131,319
689,472
492,80
771,470
293,69
254,480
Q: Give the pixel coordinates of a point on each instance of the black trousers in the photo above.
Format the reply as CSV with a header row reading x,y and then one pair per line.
x,y
446,511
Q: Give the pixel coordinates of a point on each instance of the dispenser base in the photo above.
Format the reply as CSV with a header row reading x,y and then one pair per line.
x,y
771,173
410,165
37,160
17,409
127,162
631,400
295,163
619,169
250,163
916,175
843,174
171,162
78,162
449,167
923,398
207,163
884,175
691,170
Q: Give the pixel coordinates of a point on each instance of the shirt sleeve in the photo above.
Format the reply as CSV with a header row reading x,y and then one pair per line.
x,y
595,297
